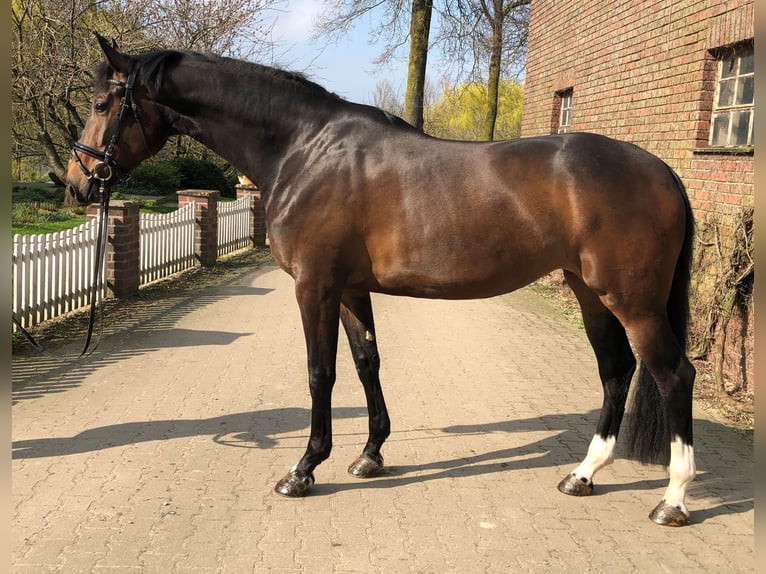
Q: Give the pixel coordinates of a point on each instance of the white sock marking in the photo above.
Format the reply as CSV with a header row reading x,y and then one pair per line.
x,y
682,471
600,454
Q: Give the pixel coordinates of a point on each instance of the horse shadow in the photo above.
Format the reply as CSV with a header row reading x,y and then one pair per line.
x,y
255,429
150,327
565,448
729,480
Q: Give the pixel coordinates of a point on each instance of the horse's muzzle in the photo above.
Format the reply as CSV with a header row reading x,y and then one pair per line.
x,y
83,194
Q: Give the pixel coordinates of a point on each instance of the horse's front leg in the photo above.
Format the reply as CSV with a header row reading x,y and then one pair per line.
x,y
320,311
356,316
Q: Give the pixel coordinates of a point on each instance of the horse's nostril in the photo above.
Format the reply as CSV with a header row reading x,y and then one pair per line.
x,y
69,191
73,195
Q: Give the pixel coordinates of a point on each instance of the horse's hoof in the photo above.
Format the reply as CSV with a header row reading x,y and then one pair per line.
x,y
365,466
576,486
666,515
294,486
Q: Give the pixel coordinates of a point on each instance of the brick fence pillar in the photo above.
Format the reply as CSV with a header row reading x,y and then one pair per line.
x,y
257,213
123,253
206,222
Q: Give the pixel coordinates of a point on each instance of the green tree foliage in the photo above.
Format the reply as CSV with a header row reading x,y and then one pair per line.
x,y
461,111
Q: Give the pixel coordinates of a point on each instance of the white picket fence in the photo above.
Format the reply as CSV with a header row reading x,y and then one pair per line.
x,y
52,273
166,243
233,225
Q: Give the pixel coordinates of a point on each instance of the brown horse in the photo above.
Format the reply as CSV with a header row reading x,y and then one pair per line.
x,y
357,201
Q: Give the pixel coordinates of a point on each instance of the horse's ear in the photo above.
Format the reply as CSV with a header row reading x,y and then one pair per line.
x,y
119,61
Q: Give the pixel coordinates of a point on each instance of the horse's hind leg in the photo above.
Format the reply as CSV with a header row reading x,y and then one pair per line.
x,y
616,365
356,316
663,418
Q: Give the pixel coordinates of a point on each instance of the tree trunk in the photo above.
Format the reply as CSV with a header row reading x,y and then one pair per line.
x,y
420,27
495,62
49,150
58,169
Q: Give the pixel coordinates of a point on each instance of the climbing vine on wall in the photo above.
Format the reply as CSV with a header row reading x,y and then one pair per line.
x,y
722,286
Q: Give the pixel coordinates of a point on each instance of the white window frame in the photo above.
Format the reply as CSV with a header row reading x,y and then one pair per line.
x,y
565,111
725,113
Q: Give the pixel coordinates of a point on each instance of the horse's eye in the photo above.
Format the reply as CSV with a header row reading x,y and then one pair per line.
x,y
100,106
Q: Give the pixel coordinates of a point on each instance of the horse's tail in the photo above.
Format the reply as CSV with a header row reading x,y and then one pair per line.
x,y
647,437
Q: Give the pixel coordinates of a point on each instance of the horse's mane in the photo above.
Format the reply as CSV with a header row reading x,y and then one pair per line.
x,y
156,65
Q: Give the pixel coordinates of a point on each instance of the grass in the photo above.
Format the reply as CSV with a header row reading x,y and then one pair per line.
x,y
151,207
41,228
39,209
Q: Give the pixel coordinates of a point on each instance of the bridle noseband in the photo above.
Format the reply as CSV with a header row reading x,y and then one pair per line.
x,y
107,166
103,172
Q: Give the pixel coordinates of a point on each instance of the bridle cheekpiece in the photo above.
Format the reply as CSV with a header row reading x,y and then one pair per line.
x,y
107,166
103,172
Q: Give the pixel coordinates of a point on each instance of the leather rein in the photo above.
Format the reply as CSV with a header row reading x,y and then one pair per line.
x,y
103,173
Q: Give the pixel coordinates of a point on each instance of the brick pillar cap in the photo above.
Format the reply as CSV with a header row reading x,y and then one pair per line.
x,y
124,203
199,192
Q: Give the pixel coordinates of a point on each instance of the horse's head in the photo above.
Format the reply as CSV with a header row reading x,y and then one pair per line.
x,y
124,127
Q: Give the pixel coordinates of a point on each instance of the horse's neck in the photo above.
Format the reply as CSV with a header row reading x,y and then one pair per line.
x,y
253,131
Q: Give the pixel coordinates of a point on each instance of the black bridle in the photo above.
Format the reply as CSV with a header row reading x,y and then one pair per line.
x,y
104,173
107,166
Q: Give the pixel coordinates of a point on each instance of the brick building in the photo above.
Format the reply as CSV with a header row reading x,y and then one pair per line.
x,y
675,77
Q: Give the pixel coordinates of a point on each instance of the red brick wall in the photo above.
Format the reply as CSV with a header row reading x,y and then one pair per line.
x,y
643,71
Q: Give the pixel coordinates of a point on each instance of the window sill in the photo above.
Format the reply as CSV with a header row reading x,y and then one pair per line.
x,y
713,150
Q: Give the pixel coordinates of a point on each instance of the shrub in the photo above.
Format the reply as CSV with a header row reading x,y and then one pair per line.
x,y
160,178
168,176
202,174
35,193
39,212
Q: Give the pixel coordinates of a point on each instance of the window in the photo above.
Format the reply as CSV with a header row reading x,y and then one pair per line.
x,y
732,121
565,115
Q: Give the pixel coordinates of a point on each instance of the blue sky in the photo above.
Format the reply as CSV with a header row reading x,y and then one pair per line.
x,y
346,67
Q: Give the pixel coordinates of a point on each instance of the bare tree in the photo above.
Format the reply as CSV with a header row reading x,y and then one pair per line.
x,y
386,98
420,28
53,52
493,34
479,39
401,20
234,28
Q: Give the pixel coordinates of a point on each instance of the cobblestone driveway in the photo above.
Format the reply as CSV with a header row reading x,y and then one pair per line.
x,y
159,453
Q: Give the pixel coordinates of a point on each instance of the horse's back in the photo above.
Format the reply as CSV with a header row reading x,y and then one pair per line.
x,y
476,220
